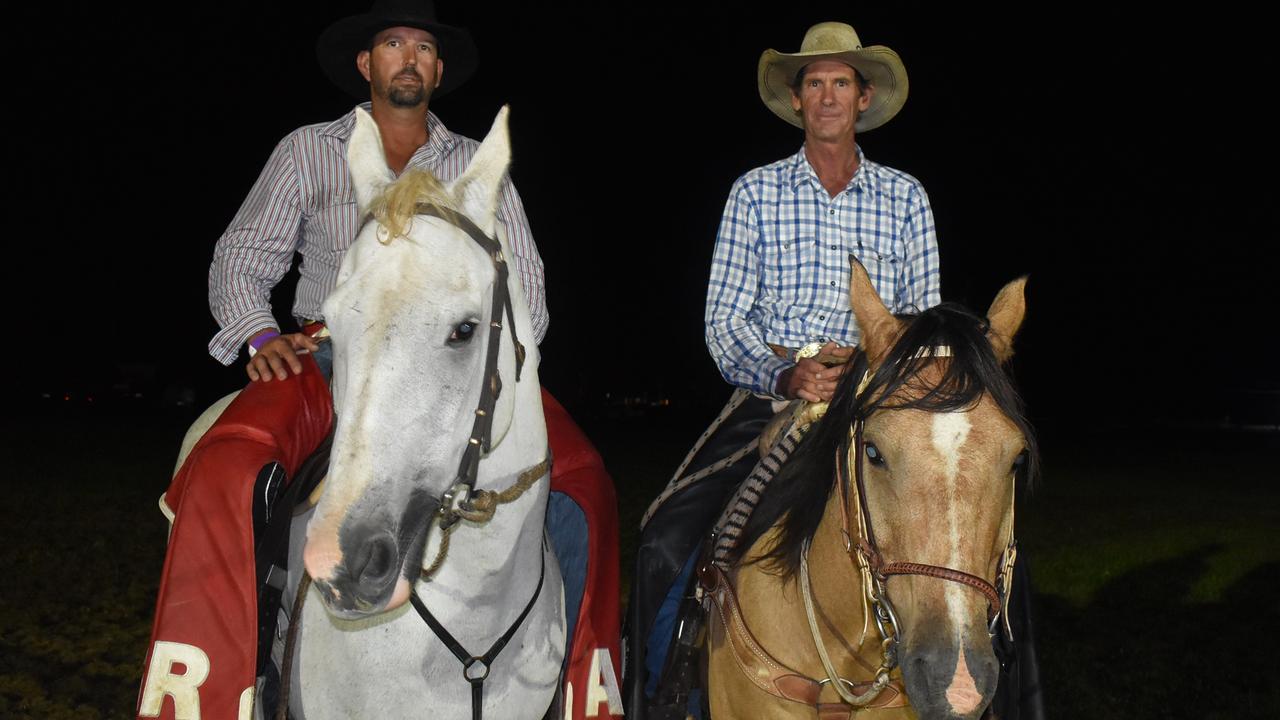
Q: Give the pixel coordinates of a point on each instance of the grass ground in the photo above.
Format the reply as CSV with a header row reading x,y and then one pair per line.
x,y
1156,563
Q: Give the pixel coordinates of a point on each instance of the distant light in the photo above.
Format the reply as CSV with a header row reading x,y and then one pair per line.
x,y
66,397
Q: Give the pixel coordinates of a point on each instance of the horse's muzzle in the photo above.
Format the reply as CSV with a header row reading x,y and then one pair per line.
x,y
365,580
950,683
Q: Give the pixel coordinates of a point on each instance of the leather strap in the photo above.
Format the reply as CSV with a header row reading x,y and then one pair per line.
x,y
870,549
468,660
763,670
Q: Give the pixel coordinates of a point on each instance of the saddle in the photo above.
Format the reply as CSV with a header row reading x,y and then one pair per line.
x,y
219,602
680,669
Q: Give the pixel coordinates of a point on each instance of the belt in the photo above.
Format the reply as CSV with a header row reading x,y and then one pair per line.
x,y
315,328
810,350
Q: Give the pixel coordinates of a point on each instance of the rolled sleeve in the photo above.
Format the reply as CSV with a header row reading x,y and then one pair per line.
x,y
736,343
253,255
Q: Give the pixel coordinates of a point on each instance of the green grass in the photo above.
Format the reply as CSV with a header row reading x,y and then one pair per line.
x,y
1156,565
84,542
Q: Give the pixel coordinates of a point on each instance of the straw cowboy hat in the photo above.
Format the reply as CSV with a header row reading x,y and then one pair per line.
x,y
835,41
342,41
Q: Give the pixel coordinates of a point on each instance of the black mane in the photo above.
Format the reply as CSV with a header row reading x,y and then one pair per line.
x,y
798,495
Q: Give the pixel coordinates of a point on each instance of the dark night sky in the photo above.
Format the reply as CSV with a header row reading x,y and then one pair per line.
x,y
1120,161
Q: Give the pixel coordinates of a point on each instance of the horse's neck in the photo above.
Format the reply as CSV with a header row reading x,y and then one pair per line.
x,y
783,627
837,585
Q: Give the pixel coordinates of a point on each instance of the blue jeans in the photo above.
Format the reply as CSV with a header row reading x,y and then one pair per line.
x,y
567,528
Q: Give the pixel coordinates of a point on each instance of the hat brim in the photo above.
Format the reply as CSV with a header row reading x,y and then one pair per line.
x,y
878,64
338,45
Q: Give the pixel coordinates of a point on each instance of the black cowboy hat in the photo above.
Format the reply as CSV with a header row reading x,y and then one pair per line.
x,y
342,41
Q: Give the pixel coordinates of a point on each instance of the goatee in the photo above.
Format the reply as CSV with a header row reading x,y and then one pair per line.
x,y
406,97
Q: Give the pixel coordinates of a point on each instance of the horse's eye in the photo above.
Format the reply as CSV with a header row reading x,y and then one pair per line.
x,y
873,454
1019,462
463,332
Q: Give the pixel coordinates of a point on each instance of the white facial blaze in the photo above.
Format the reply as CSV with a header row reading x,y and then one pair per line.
x,y
950,430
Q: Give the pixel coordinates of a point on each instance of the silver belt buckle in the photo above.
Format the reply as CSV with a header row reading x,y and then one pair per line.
x,y
809,350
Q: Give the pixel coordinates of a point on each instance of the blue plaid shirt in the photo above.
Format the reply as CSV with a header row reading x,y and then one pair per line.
x,y
780,273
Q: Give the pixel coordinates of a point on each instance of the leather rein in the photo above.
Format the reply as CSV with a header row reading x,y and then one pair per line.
x,y
776,679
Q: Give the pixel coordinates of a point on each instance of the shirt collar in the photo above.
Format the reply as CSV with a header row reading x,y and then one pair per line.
x,y
439,140
802,172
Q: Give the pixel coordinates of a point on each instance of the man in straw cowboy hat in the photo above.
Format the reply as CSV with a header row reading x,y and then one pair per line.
x,y
778,322
780,275
399,57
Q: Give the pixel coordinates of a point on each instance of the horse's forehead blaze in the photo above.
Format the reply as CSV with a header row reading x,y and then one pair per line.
x,y
944,468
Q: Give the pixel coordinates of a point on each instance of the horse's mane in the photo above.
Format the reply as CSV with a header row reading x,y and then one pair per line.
x,y
395,207
796,498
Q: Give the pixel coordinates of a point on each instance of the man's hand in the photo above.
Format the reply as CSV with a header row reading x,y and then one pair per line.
x,y
277,354
812,380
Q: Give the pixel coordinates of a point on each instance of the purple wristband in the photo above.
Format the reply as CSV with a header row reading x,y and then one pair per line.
x,y
263,339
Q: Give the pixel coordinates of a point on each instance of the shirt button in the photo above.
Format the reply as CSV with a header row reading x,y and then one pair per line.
x,y
832,211
833,247
833,283
822,317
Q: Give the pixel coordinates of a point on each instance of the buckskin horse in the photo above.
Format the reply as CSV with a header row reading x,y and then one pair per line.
x,y
872,575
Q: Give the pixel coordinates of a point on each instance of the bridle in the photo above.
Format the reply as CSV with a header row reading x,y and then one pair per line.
x,y
875,570
462,501
861,546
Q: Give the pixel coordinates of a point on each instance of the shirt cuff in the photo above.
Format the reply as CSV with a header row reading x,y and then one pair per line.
x,y
768,372
225,346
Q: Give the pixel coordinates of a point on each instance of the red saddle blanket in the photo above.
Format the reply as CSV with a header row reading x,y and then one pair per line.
x,y
201,660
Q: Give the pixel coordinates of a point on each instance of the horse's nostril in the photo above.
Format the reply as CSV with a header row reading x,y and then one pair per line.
x,y
375,566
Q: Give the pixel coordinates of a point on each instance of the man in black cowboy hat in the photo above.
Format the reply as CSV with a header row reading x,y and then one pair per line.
x,y
399,56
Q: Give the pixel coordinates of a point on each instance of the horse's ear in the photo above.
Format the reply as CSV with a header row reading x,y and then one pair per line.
x,y
367,160
1005,317
879,328
477,188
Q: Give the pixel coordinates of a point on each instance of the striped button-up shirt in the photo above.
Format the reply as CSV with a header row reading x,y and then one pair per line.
x,y
780,272
303,202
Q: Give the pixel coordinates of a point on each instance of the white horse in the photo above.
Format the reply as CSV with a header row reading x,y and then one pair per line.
x,y
411,318
425,339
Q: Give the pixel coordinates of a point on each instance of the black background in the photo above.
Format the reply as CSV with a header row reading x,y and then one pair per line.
x,y
1123,161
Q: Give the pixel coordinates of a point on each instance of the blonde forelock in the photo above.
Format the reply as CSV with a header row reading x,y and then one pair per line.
x,y
395,207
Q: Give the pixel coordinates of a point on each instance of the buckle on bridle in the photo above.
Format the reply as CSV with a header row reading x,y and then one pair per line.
x,y
455,497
